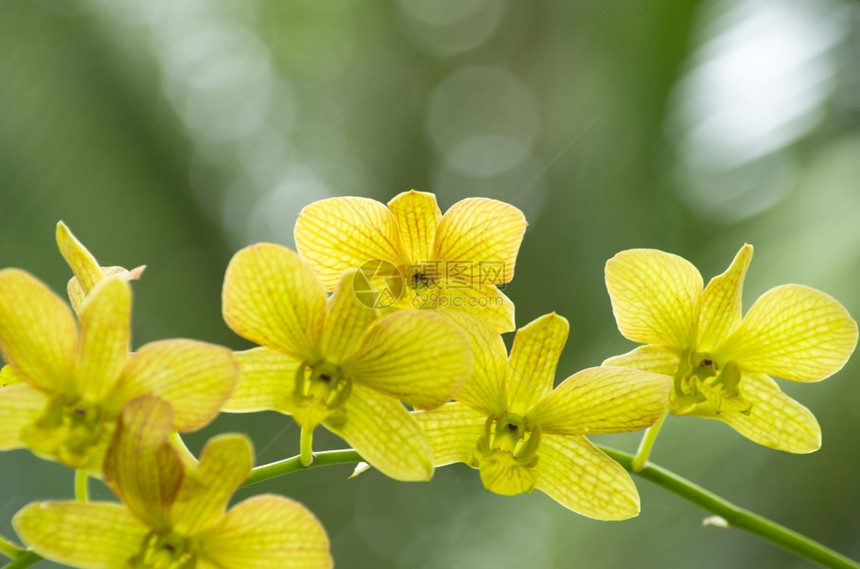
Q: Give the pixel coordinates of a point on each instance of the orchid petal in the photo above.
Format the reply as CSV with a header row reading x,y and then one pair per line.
x,y
272,298
38,333
577,475
655,296
20,405
534,357
656,359
94,535
337,234
794,332
267,532
417,216
267,382
603,400
453,431
721,302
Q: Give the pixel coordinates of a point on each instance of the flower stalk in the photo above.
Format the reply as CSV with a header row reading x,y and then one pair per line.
x,y
645,446
82,489
735,516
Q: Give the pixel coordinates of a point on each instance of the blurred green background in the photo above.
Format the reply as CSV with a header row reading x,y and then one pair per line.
x,y
173,133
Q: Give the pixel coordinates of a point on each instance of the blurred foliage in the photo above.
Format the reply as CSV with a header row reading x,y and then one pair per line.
x,y
171,134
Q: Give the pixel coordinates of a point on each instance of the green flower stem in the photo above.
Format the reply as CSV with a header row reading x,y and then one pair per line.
x,y
733,515
24,560
9,549
288,465
82,489
646,445
306,447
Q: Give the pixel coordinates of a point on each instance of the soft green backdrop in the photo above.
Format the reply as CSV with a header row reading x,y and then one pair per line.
x,y
171,134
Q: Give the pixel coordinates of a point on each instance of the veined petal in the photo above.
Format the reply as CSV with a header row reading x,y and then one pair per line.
x,y
655,297
80,260
196,378
421,358
384,433
485,388
485,231
656,359
77,293
337,234
94,535
794,332
534,357
225,463
141,466
417,216
20,405
603,400
105,318
484,301
721,302
577,475
346,322
38,334
775,420
267,381
267,532
272,298
9,376
453,431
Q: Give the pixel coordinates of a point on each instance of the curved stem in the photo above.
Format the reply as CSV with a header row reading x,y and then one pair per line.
x,y
732,514
735,516
25,560
82,489
306,447
646,445
9,549
288,465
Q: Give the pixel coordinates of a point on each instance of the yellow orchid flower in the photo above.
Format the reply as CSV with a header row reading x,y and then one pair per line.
x,y
87,271
522,434
65,385
720,360
335,362
173,514
420,258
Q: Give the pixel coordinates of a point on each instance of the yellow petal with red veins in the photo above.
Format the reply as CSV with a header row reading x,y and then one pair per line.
x,y
655,296
534,357
338,234
196,378
38,333
656,359
225,463
95,535
20,405
721,302
272,298
603,400
453,431
141,466
105,318
484,231
76,291
794,332
420,358
346,321
417,216
384,433
267,381
81,261
485,388
267,532
775,420
577,475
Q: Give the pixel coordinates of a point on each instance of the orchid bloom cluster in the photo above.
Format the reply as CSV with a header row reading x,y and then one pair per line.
x,y
384,327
